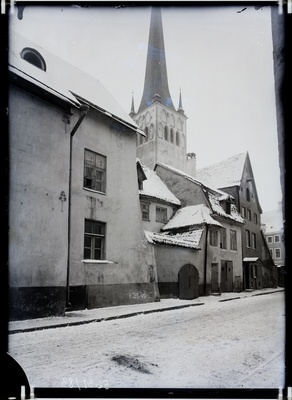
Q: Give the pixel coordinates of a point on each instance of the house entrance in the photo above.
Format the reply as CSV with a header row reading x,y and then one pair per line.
x,y
226,283
188,282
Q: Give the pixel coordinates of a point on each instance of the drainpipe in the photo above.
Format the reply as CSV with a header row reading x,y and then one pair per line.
x,y
84,109
205,261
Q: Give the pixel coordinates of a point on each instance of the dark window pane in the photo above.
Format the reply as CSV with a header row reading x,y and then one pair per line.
x,y
87,254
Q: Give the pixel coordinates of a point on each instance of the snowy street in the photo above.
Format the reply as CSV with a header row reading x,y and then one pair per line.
x,y
230,344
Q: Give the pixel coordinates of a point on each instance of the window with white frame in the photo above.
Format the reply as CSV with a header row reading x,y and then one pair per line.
x,y
270,239
277,254
276,238
94,171
94,240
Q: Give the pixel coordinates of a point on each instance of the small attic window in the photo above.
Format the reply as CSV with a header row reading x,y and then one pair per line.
x,y
33,57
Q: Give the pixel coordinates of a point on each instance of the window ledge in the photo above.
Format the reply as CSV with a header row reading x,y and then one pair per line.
x,y
97,262
93,191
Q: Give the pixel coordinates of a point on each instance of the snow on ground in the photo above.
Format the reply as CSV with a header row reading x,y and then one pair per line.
x,y
230,344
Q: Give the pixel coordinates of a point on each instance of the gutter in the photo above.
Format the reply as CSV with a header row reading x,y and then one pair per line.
x,y
205,261
84,110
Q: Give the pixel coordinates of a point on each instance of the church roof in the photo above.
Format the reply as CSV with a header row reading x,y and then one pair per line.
x,y
64,81
156,82
226,173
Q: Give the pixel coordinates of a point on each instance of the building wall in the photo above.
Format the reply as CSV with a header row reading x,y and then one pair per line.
x,y
152,225
169,261
217,255
39,165
130,277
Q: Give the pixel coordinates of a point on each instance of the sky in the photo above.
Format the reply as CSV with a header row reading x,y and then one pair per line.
x,y
221,58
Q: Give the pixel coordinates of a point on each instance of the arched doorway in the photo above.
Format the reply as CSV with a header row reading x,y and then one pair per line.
x,y
188,282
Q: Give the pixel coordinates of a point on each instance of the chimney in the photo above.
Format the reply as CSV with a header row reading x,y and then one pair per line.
x,y
191,164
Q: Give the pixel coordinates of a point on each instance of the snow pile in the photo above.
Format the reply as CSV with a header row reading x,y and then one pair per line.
x,y
189,239
190,216
225,173
154,187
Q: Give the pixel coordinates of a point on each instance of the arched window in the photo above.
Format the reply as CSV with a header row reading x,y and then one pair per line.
x,y
147,134
177,139
166,133
33,57
247,194
151,132
171,136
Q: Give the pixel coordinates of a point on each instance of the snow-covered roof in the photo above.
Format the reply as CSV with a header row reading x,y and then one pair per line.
x,y
190,216
64,80
225,173
189,239
195,180
219,210
155,188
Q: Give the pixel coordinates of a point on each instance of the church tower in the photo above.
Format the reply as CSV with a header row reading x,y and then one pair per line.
x,y
165,138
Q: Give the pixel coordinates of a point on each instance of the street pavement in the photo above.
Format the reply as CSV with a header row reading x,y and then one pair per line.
x,y
79,317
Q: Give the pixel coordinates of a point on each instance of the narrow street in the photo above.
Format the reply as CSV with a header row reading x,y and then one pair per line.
x,y
230,344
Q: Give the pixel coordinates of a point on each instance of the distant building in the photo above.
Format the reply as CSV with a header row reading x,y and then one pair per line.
x,y
273,229
76,238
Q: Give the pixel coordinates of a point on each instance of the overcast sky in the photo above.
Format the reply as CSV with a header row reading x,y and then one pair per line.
x,y
221,58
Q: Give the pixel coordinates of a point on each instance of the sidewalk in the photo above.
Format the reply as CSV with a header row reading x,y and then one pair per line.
x,y
109,313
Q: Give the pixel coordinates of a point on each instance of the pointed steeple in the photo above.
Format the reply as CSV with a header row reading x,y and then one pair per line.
x,y
156,83
132,112
180,107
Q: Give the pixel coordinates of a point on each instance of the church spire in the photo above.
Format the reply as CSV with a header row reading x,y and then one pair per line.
x,y
156,83
132,112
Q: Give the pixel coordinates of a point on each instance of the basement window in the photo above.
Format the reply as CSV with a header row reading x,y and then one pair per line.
x,y
33,57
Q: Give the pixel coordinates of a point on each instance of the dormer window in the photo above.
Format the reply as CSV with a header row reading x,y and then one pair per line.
x,y
33,57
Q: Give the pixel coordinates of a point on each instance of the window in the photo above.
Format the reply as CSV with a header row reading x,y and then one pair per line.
x,y
248,215
277,253
255,218
247,194
247,238
171,136
254,240
146,134
276,238
254,270
145,211
243,212
161,214
270,239
33,57
233,240
213,237
223,239
228,207
94,240
94,171
166,133
177,139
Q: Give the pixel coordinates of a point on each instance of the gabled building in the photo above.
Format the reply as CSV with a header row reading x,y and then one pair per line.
x,y
72,191
235,176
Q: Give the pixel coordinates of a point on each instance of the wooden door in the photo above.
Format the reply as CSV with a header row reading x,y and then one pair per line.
x,y
188,282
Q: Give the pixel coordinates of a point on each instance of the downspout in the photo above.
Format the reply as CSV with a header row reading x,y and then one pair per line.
x,y
84,109
205,261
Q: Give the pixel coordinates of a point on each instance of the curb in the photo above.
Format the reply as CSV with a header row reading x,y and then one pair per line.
x,y
89,321
127,315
